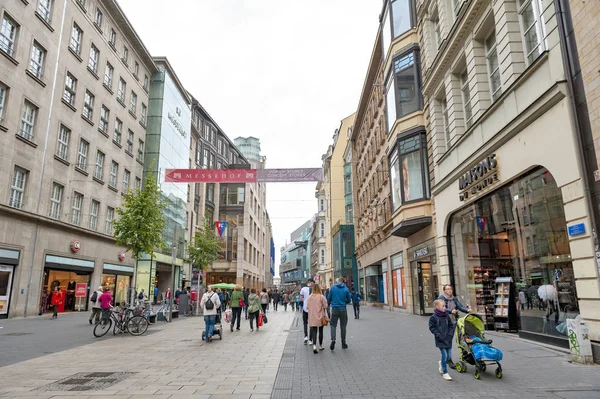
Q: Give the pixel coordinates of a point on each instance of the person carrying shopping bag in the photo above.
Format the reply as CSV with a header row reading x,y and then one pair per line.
x,y
317,316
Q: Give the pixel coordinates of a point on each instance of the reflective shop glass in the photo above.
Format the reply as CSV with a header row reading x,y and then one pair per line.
x,y
518,231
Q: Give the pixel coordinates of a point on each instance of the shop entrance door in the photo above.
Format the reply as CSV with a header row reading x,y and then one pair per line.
x,y
6,273
426,288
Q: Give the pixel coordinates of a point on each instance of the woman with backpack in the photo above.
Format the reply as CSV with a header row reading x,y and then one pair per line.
x,y
210,302
96,309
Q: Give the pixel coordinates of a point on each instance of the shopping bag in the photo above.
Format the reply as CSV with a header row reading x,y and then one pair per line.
x,y
228,316
260,320
264,319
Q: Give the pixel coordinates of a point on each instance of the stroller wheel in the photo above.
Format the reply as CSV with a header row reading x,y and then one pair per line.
x,y
498,373
461,367
203,335
476,375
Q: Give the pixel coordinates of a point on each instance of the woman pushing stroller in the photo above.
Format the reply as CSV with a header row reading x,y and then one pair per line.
x,y
452,306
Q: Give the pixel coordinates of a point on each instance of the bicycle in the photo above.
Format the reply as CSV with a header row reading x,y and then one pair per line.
x,y
123,321
165,310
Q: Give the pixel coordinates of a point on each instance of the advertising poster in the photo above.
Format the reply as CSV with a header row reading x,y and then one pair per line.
x,y
395,286
399,287
385,286
403,287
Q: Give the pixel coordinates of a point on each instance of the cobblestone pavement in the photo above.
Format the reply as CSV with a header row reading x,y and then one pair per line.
x,y
392,354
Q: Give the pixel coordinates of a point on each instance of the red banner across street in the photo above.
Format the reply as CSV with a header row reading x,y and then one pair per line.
x,y
242,175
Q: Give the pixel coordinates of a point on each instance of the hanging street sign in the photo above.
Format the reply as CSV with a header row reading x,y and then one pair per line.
x,y
242,175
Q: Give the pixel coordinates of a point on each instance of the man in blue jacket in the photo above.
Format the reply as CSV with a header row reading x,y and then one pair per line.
x,y
339,297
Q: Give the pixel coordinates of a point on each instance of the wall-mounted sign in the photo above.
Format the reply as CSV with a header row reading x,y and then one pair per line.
x,y
482,175
121,256
75,246
576,229
178,126
421,252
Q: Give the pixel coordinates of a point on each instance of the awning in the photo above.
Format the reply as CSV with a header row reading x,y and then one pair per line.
x,y
72,264
409,227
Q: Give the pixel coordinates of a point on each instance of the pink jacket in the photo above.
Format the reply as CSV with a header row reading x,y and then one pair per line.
x,y
316,310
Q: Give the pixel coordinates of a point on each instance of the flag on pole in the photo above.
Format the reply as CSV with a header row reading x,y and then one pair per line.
x,y
220,227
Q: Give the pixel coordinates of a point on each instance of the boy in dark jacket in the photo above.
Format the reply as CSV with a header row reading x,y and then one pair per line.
x,y
442,329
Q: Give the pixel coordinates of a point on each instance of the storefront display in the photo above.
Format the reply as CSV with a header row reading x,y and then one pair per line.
x,y
517,231
424,279
67,282
398,289
6,277
374,282
505,315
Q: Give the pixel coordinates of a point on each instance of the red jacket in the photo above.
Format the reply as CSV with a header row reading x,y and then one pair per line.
x,y
56,298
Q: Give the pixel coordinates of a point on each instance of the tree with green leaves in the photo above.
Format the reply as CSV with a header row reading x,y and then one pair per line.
x,y
141,222
205,246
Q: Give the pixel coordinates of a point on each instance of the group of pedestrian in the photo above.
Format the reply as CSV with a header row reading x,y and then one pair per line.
x,y
315,314
215,302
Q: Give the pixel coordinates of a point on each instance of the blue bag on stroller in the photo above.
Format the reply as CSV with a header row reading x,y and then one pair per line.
x,y
485,351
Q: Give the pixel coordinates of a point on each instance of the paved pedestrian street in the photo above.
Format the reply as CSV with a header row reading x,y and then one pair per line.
x,y
390,355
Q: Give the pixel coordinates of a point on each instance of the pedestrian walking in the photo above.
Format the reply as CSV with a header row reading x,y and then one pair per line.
x,y
246,295
304,294
275,297
237,302
96,309
155,294
105,303
142,296
356,304
210,303
316,304
452,306
286,300
442,328
254,307
169,295
326,293
264,300
339,297
57,299
298,302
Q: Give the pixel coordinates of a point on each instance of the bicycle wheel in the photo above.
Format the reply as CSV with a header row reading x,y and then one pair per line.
x,y
137,325
102,327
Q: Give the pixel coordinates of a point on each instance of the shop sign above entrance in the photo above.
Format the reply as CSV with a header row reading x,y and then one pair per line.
x,y
421,252
75,246
482,175
242,175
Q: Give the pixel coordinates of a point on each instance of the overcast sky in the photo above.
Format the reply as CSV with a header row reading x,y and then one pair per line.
x,y
285,71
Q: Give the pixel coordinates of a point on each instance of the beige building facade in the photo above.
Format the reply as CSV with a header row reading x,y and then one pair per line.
x,y
74,81
396,253
514,234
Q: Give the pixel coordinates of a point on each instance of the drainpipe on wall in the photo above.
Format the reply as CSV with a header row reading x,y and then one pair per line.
x,y
589,162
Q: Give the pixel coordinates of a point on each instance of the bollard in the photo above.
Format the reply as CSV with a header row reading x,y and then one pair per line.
x,y
579,341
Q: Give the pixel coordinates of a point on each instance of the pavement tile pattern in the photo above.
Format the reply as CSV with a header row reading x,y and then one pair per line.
x,y
390,355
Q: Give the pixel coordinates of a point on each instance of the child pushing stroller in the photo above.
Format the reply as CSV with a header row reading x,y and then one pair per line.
x,y
470,337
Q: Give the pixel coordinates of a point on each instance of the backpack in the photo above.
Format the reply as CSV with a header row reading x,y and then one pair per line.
x,y
94,297
209,305
141,296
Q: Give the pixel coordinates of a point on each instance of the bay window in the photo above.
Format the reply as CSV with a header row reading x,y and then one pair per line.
x,y
399,17
403,87
409,173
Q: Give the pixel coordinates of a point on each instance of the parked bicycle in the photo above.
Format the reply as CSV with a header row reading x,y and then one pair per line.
x,y
165,311
124,321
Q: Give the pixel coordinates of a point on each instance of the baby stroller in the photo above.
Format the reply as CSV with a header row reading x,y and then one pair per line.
x,y
474,348
218,330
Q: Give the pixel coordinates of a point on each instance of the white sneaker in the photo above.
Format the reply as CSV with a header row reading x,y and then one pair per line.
x,y
305,340
447,377
310,342
441,370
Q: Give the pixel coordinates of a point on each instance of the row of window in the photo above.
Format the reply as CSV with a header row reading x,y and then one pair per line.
x,y
18,190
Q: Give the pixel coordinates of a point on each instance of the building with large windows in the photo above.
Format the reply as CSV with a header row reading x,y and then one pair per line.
x,y
506,166
74,83
393,205
168,142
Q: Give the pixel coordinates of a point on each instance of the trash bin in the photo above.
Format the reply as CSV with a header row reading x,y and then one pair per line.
x,y
579,341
